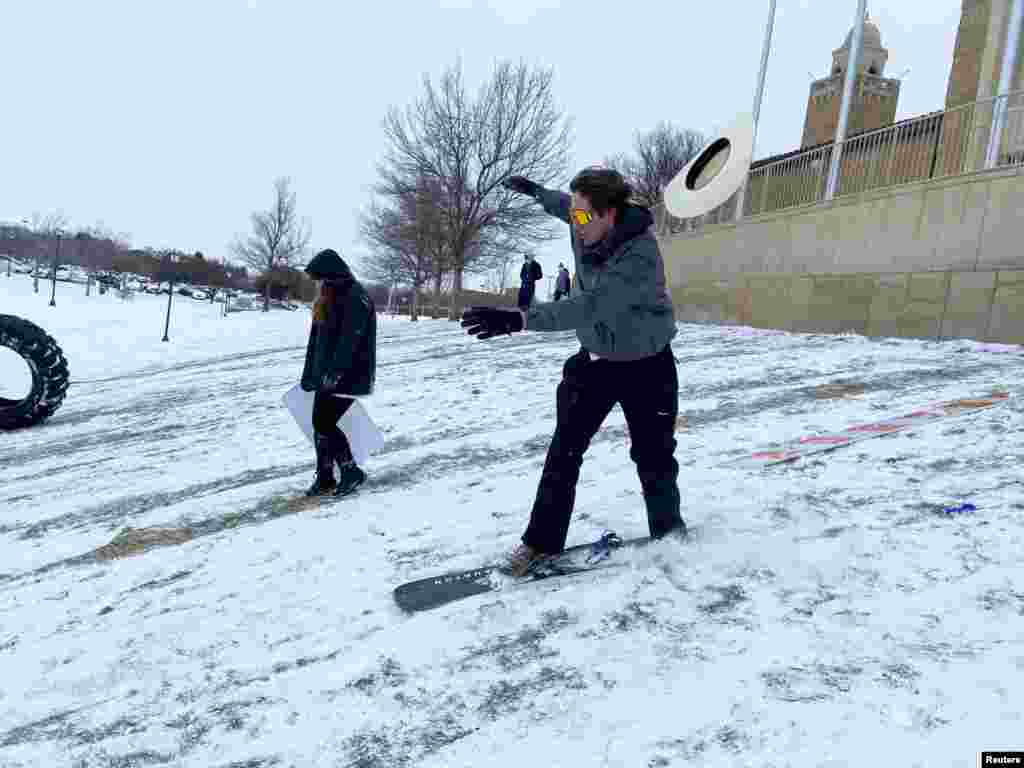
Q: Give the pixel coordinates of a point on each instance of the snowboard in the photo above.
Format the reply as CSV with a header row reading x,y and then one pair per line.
x,y
435,591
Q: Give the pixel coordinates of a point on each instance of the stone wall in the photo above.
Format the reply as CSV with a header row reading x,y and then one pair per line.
x,y
934,259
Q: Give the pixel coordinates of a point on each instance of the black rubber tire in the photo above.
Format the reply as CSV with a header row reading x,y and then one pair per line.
x,y
49,373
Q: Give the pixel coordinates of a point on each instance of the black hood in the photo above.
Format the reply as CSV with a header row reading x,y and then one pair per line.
x,y
328,265
633,222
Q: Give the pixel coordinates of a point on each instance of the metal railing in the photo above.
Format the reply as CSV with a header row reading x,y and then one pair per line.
x,y
941,144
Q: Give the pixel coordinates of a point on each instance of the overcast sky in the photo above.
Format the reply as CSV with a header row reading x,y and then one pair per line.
x,y
168,121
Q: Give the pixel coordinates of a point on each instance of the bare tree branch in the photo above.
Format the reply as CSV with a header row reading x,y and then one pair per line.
x,y
407,237
278,238
658,155
465,146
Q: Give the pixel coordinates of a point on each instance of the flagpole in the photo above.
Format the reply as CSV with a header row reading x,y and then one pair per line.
x,y
1005,80
844,110
758,96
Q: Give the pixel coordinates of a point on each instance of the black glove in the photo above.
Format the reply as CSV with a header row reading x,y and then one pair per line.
x,y
522,185
329,384
307,386
485,322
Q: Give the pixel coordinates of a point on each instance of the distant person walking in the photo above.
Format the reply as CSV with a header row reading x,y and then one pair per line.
x,y
341,358
528,277
562,282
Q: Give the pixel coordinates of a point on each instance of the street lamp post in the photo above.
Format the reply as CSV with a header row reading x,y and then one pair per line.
x,y
56,260
12,236
169,261
24,234
35,269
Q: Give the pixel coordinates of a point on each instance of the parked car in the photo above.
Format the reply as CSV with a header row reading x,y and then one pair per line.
x,y
105,278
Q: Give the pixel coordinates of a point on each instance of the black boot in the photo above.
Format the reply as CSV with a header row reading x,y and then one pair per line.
x,y
661,496
324,481
351,478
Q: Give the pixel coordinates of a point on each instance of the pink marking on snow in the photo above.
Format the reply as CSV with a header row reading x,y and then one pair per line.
x,y
824,440
772,454
879,427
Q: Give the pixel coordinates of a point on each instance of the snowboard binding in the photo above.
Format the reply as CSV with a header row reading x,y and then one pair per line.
x,y
562,565
602,548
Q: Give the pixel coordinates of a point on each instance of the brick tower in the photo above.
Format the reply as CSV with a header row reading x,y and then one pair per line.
x,y
974,77
978,55
874,96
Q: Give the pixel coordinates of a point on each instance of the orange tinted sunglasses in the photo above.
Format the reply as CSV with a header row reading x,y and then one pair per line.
x,y
580,216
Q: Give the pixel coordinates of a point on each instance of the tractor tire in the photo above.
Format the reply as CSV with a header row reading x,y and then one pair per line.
x,y
49,373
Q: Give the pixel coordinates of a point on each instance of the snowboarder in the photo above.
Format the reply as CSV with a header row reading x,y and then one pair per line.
x,y
624,320
528,277
341,358
562,282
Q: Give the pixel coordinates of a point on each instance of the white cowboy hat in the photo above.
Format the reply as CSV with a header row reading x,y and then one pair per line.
x,y
715,173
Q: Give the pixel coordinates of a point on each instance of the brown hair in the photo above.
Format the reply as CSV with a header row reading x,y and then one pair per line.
x,y
322,305
605,188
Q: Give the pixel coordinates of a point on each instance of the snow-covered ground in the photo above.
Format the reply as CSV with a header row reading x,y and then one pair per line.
x,y
825,613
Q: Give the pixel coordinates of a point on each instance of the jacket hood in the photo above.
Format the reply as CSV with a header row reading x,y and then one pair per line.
x,y
634,221
328,265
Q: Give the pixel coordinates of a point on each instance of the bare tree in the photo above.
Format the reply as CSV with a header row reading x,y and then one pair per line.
x,y
48,224
467,146
49,227
216,278
498,278
278,238
658,155
384,264
96,249
406,240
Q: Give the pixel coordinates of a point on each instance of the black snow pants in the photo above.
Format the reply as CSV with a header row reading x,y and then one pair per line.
x,y
648,391
327,411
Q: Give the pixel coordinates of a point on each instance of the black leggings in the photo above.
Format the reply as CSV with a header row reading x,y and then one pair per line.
x,y
327,411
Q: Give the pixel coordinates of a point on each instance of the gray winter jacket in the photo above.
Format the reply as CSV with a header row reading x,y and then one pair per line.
x,y
622,309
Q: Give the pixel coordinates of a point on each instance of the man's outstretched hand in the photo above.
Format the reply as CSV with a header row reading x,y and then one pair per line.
x,y
485,322
522,185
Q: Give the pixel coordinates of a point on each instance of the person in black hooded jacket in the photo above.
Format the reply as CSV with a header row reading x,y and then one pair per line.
x,y
341,359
